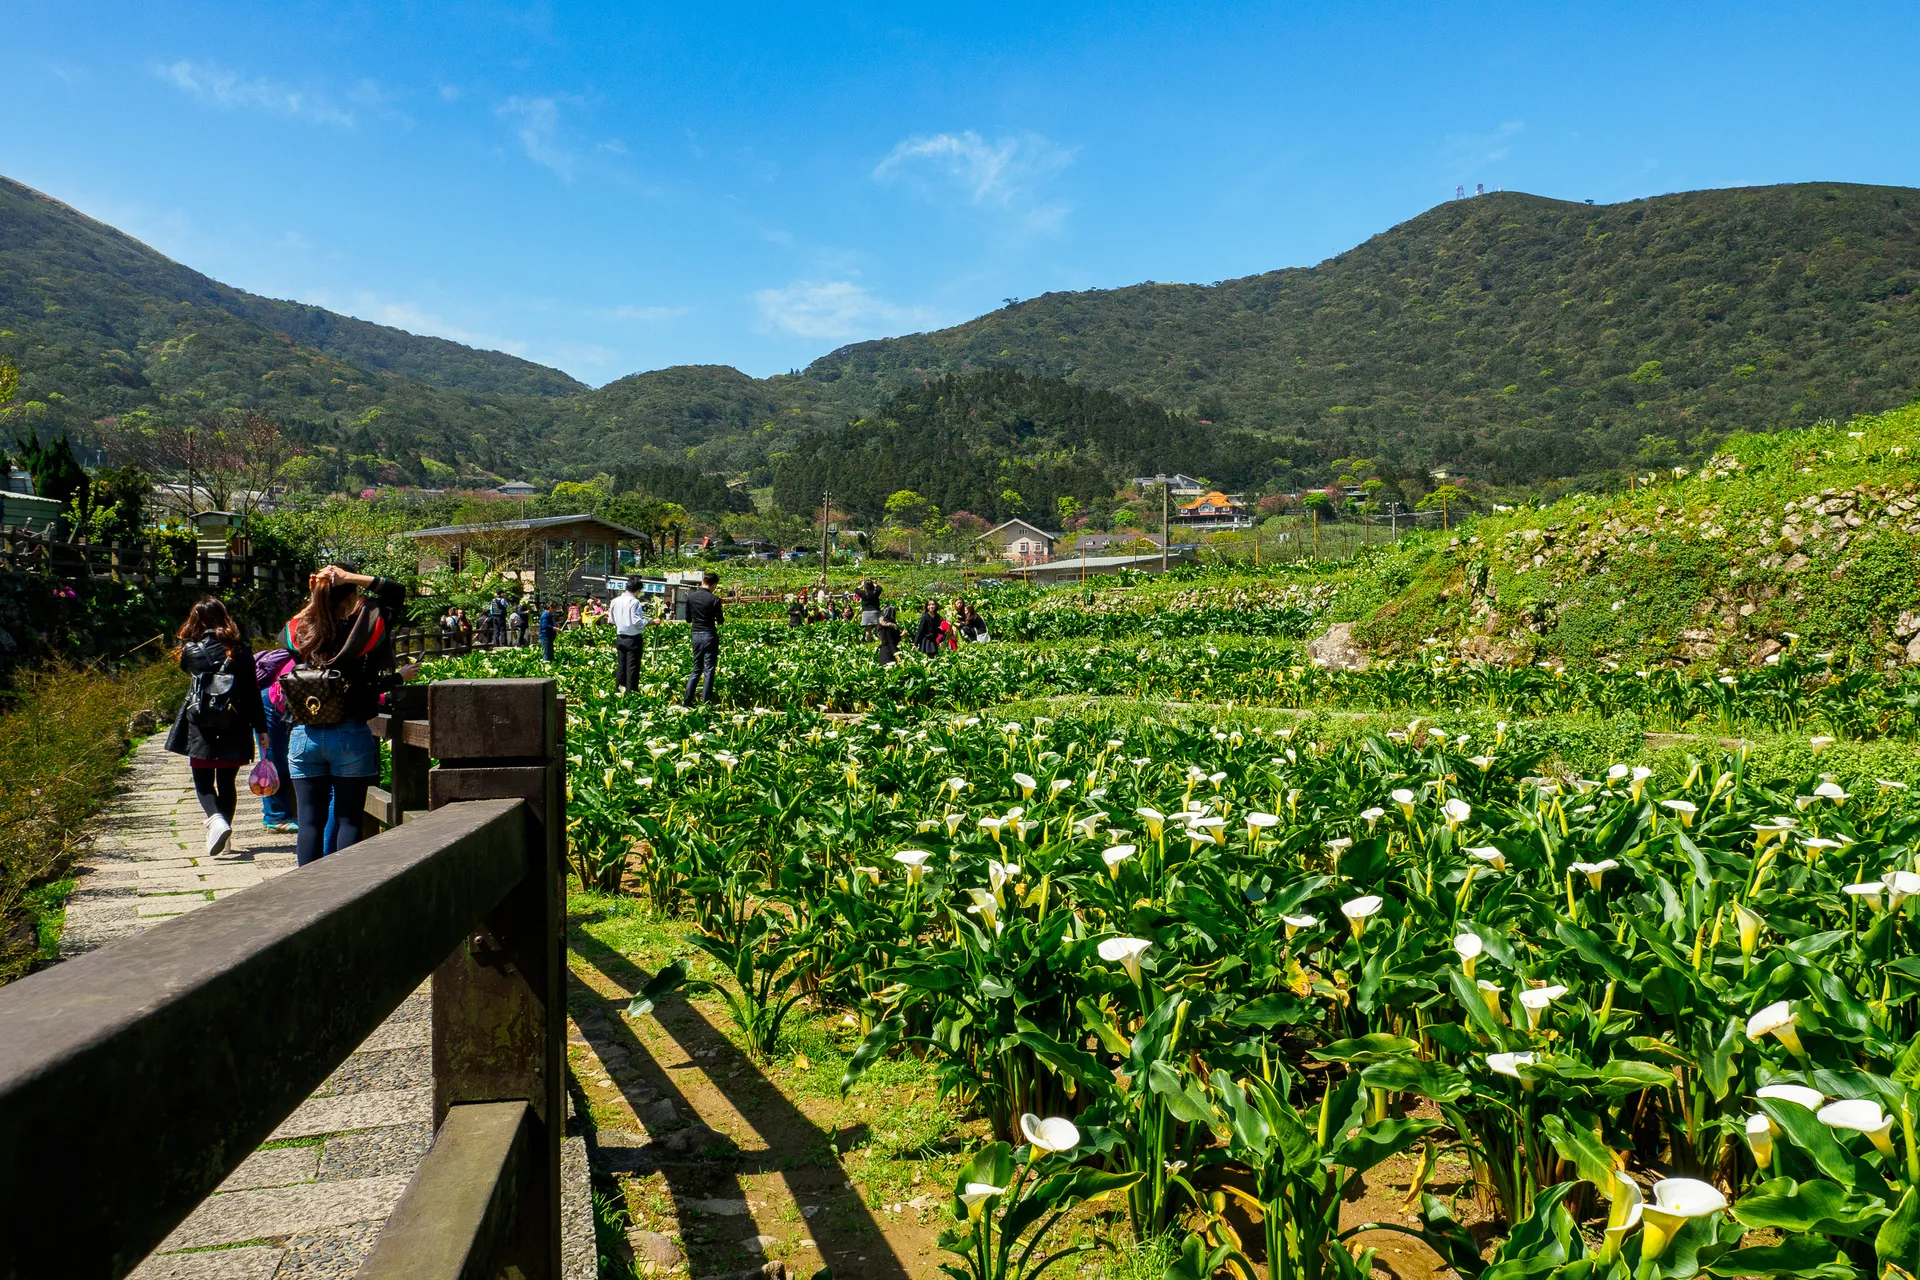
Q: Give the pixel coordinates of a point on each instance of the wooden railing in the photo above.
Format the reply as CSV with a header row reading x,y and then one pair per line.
x,y
22,551
135,1078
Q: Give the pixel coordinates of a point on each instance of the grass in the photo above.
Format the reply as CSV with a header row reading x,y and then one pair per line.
x,y
63,737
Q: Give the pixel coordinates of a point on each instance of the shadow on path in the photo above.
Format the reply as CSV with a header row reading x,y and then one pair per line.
x,y
843,1230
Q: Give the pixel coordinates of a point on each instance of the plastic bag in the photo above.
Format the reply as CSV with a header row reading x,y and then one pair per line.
x,y
264,780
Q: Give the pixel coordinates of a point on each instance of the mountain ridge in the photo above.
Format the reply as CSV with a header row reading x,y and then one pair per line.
x,y
1512,336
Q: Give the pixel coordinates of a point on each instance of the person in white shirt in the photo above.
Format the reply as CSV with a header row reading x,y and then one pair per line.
x,y
629,620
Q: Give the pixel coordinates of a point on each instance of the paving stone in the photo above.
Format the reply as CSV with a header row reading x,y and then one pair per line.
x,y
417,1033
172,904
579,1255
232,1217
405,1068
140,863
279,1167
358,1111
325,1255
394,1149
255,1262
652,1247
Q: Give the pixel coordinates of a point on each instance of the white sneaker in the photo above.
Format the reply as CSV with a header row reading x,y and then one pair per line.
x,y
219,831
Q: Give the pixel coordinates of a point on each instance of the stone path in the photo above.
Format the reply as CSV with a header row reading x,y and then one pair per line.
x,y
311,1201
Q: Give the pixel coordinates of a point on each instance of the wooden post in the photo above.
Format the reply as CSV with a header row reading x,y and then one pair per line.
x,y
499,1009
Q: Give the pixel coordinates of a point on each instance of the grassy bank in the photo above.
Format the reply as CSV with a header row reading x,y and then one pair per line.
x,y
63,736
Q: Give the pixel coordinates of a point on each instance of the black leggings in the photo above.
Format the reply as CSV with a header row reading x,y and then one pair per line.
x,y
319,835
214,789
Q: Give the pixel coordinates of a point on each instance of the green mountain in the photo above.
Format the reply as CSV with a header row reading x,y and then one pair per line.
x,y
102,326
1511,336
999,443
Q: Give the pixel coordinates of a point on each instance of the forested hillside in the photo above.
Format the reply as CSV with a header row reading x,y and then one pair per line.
x,y
1001,443
1510,335
102,326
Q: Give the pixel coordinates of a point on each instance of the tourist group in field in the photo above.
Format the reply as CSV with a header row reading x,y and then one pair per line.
x,y
298,711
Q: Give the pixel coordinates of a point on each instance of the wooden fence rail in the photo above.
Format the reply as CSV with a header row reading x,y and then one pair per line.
x,y
22,551
135,1078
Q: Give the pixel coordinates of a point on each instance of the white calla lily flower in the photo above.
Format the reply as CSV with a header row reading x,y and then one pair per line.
x,y
1593,871
1457,811
976,1196
1360,909
1508,1064
1675,1202
1535,1001
1025,782
1760,1140
1861,1115
1296,923
1118,854
1800,1094
1623,1213
1867,891
915,861
1052,1135
1125,952
1405,799
1489,855
1779,1021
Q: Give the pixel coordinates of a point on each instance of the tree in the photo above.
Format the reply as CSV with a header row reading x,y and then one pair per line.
x,y
116,506
907,509
56,472
1448,500
229,462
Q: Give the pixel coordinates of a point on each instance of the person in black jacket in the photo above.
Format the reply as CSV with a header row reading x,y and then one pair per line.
x,y
221,709
888,630
342,630
706,616
926,638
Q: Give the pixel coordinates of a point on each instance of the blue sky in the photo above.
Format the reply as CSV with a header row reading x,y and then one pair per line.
x,y
617,187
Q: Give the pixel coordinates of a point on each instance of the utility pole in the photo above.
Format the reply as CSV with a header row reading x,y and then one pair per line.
x,y
826,520
1166,491
1316,534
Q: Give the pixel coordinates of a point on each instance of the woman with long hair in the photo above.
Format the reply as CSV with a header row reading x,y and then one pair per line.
x,y
887,628
926,636
221,708
341,630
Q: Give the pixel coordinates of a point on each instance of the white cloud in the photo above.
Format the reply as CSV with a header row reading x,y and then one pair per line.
x,y
536,122
218,87
1004,174
401,314
835,310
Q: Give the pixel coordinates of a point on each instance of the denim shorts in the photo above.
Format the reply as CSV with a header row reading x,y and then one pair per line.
x,y
335,750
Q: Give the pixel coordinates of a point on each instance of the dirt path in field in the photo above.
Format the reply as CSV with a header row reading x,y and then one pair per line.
x,y
735,1173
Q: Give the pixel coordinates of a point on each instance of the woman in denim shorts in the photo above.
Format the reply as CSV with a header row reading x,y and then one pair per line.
x,y
343,630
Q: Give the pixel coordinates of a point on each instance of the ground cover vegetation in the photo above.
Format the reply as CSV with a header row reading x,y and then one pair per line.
x,y
1217,970
63,735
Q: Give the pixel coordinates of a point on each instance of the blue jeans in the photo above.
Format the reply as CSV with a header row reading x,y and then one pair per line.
x,y
332,765
278,807
546,645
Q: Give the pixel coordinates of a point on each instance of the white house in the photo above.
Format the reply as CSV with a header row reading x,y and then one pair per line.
x,y
1018,542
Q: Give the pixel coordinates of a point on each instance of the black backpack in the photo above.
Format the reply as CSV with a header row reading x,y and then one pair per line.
x,y
210,700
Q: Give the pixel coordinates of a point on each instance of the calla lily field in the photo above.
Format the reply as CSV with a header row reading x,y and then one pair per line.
x,y
1201,977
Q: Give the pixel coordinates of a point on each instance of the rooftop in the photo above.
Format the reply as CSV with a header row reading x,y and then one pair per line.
x,y
521,526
